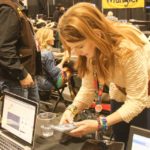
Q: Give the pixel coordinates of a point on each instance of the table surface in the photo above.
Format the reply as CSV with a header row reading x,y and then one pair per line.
x,y
71,143
52,142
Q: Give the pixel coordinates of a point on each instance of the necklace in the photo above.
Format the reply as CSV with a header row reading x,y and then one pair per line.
x,y
98,100
98,94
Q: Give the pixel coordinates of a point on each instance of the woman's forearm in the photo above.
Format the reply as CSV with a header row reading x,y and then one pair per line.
x,y
114,118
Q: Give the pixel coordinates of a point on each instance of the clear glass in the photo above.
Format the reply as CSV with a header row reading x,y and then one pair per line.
x,y
44,121
47,130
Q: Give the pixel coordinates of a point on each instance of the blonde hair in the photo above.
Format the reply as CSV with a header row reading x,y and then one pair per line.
x,y
84,21
43,35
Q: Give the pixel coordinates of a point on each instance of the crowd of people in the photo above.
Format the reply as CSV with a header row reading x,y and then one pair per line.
x,y
109,53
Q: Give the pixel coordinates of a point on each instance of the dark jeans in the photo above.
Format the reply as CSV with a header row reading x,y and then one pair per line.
x,y
121,130
14,87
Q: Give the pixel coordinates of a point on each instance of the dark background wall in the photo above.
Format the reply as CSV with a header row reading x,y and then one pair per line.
x,y
138,13
32,8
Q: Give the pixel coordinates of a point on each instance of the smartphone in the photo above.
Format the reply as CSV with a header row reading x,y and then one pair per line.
x,y
64,127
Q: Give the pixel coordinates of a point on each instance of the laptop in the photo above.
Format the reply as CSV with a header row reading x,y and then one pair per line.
x,y
139,139
17,122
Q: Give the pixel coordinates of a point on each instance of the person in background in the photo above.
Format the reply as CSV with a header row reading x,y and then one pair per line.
x,y
45,38
59,73
59,10
42,6
110,16
18,52
56,14
113,54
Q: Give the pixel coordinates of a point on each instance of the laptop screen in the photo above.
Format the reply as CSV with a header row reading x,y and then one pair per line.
x,y
139,139
18,117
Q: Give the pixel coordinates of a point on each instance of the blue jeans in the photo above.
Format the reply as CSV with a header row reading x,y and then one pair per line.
x,y
15,87
44,84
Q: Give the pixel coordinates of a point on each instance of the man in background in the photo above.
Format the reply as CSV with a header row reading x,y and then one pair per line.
x,y
18,52
59,11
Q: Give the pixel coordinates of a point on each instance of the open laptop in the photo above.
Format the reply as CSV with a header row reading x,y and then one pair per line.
x,y
17,122
139,139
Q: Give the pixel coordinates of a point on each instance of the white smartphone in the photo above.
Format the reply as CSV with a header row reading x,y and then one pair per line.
x,y
64,127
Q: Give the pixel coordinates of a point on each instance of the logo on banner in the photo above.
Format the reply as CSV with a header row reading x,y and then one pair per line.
x,y
122,3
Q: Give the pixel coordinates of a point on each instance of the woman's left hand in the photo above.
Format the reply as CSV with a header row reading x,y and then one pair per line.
x,y
84,127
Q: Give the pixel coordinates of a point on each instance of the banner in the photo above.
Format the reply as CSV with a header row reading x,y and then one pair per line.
x,y
106,4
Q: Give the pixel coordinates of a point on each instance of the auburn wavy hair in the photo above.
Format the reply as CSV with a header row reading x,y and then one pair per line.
x,y
85,21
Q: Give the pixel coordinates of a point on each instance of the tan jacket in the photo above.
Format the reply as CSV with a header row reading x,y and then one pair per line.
x,y
132,74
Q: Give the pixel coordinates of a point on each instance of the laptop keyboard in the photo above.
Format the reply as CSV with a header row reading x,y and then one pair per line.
x,y
6,144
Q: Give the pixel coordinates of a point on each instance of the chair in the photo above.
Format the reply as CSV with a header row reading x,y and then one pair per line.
x,y
74,84
56,93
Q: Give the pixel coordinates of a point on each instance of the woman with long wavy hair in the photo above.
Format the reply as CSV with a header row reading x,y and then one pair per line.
x,y
113,54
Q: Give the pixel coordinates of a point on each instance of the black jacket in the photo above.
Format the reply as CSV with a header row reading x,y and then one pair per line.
x,y
18,53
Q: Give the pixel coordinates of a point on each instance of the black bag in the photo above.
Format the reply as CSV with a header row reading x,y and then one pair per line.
x,y
92,144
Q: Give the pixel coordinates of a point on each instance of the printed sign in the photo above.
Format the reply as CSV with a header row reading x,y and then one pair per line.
x,y
106,4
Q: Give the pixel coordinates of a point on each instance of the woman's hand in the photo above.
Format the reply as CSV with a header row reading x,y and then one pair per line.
x,y
67,117
84,127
